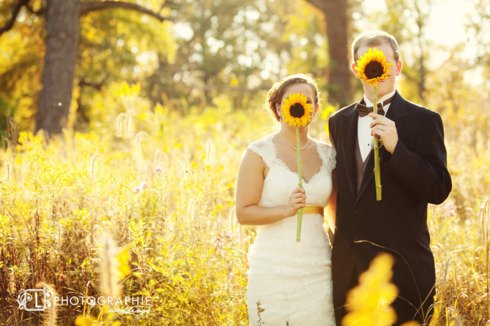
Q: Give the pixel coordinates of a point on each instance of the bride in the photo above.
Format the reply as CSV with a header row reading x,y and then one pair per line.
x,y
289,282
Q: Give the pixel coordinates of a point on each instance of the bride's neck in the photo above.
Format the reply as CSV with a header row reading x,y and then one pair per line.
x,y
290,135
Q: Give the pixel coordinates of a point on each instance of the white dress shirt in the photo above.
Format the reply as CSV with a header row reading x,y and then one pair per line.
x,y
366,141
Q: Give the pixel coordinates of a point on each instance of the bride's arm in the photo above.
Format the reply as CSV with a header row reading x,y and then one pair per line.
x,y
249,190
332,206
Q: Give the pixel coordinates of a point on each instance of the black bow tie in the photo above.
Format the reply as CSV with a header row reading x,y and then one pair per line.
x,y
363,110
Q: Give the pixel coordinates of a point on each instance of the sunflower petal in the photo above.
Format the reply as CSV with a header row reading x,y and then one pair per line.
x,y
293,100
373,54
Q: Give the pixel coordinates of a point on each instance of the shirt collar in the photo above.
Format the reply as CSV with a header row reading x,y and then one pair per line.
x,y
381,100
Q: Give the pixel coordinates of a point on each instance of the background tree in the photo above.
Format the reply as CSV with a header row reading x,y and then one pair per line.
x,y
337,24
236,47
209,49
412,39
216,51
478,35
407,21
115,46
22,49
63,33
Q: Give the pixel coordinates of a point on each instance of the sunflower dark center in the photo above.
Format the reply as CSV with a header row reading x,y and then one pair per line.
x,y
297,110
373,69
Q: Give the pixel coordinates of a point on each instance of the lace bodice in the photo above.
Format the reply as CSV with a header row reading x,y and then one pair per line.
x,y
281,181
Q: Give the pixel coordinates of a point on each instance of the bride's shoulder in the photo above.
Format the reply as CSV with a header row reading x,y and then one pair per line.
x,y
327,153
326,147
262,142
264,148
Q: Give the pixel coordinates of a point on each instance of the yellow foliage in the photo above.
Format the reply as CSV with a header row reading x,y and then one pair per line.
x,y
166,196
127,90
85,321
369,304
123,258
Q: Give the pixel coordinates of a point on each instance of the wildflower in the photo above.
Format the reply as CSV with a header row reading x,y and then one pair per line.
x,y
158,170
114,266
51,313
127,90
369,303
450,208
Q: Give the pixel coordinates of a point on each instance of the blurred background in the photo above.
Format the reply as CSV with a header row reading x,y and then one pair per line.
x,y
61,60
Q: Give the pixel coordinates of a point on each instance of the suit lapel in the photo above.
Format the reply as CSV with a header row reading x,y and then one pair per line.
x,y
397,112
350,135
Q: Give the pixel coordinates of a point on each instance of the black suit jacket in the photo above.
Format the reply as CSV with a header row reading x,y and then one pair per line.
x,y
415,175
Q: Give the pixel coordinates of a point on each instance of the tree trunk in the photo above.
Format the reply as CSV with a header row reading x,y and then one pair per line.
x,y
337,27
63,33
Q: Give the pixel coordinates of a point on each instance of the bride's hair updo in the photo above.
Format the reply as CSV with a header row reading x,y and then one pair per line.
x,y
277,91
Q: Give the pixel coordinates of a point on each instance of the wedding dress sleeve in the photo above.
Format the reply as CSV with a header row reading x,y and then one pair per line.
x,y
328,155
264,148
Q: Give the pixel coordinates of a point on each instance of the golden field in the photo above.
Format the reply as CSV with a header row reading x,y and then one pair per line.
x,y
161,184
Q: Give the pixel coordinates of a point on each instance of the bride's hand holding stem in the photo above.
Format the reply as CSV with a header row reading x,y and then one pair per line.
x,y
250,184
296,201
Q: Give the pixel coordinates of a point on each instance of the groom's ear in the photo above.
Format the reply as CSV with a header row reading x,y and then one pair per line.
x,y
398,68
354,70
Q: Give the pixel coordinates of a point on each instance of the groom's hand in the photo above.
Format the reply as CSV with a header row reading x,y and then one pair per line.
x,y
385,128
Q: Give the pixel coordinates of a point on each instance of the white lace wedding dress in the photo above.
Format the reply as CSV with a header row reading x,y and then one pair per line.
x,y
289,282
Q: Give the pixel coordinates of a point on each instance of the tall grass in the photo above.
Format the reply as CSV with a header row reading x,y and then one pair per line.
x,y
162,186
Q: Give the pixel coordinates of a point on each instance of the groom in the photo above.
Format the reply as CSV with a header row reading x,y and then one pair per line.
x,y
413,174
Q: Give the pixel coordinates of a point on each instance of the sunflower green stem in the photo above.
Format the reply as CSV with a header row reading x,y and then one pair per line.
x,y
377,175
300,184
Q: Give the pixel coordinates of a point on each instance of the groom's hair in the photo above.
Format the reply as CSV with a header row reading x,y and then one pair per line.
x,y
373,38
277,91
